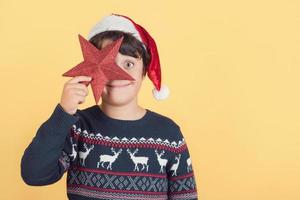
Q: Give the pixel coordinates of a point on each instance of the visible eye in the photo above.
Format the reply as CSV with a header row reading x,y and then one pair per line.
x,y
129,64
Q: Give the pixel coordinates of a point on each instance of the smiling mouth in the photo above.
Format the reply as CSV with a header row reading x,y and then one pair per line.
x,y
118,86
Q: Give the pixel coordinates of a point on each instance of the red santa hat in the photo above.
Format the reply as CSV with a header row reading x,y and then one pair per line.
x,y
125,24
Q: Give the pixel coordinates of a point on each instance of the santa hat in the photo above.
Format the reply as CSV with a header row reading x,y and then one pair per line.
x,y
125,24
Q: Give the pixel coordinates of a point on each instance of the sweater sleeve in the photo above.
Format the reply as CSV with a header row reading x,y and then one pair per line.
x,y
181,179
46,158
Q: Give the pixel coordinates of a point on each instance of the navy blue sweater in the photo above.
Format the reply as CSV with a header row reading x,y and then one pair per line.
x,y
107,158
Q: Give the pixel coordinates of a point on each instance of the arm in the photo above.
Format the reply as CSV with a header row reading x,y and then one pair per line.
x,y
46,158
181,179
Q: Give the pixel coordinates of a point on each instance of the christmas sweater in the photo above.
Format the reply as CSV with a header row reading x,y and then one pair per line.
x,y
108,158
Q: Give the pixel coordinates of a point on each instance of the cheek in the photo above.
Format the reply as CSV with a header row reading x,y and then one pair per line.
x,y
136,73
135,87
137,84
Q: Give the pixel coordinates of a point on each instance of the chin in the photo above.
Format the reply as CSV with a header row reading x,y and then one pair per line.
x,y
116,100
118,97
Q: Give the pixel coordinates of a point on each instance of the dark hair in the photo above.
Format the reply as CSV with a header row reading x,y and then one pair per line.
x,y
130,45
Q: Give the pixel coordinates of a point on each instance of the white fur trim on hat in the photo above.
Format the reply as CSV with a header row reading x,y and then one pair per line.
x,y
114,22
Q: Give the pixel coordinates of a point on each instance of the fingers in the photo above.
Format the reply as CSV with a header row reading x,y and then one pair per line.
x,y
74,83
74,93
79,86
81,99
80,92
78,79
79,95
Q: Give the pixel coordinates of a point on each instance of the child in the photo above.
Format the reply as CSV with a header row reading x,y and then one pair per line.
x,y
118,149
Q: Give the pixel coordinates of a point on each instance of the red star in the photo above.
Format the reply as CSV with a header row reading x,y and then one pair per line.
x,y
100,65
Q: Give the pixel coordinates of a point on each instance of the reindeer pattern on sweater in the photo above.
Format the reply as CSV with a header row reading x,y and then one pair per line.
x,y
111,159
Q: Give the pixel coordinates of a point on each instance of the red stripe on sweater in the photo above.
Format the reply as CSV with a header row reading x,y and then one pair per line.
x,y
76,167
113,190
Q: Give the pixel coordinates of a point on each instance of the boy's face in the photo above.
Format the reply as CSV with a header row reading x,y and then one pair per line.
x,y
122,92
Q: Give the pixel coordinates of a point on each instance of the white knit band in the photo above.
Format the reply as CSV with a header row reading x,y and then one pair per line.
x,y
113,22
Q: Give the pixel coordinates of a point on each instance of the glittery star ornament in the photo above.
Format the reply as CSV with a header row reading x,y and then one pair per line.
x,y
100,65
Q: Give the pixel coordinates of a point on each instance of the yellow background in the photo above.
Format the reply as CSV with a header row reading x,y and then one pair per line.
x,y
232,68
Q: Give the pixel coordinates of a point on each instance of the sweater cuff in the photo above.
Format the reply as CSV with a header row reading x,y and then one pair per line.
x,y
61,120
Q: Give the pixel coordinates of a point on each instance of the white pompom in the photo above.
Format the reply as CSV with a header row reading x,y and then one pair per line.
x,y
162,94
